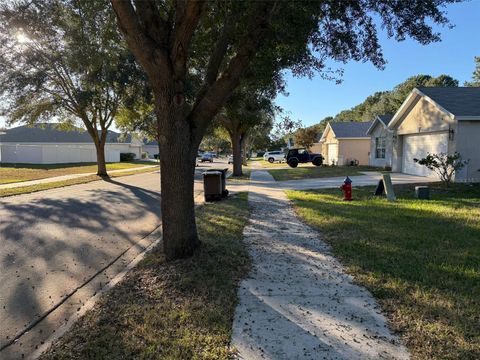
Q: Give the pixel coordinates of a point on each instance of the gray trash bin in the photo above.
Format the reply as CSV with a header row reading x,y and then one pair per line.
x,y
212,185
224,179
422,192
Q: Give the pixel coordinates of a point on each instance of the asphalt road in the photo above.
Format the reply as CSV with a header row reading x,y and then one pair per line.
x,y
52,242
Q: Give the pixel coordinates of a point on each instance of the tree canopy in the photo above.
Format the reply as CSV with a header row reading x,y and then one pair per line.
x,y
476,74
64,61
305,137
379,103
388,102
196,53
247,110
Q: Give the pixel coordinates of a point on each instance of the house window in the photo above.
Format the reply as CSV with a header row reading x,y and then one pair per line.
x,y
380,148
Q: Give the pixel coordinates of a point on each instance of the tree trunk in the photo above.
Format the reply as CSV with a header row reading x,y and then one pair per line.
x,y
237,153
101,166
243,145
178,150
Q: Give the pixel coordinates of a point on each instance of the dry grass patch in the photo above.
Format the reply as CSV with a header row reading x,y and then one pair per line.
x,y
58,184
171,310
10,173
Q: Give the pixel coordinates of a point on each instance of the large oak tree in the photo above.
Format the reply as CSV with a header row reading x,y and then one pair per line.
x,y
209,46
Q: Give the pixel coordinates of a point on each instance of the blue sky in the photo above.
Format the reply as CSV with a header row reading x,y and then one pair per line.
x,y
312,100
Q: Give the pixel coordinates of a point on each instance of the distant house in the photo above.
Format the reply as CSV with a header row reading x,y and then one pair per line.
x,y
47,144
437,120
345,142
150,147
381,142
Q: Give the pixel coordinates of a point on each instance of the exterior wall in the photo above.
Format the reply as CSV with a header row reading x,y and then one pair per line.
x,y
353,149
41,153
423,118
317,148
150,149
328,139
125,148
381,131
467,139
397,153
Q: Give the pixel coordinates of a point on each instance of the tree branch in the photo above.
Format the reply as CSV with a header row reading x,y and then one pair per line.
x,y
148,52
157,28
207,104
187,16
219,52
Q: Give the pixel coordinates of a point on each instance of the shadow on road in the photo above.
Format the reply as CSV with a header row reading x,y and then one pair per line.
x,y
51,245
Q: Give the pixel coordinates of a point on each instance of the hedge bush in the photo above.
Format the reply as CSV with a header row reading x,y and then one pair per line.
x,y
127,156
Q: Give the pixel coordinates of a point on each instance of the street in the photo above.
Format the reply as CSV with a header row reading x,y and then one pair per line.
x,y
54,242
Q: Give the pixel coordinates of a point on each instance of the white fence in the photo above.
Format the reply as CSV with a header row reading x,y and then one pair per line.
x,y
57,154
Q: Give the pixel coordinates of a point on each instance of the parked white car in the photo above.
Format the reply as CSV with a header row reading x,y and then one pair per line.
x,y
273,156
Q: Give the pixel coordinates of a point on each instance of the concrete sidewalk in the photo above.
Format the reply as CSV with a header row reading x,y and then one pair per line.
x,y
68,177
299,303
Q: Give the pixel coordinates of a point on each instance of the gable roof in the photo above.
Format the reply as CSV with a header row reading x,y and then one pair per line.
x,y
150,142
49,133
350,129
459,101
383,119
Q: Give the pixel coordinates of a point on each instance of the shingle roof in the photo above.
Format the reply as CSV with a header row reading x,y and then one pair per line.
x,y
460,101
151,142
49,133
351,129
385,118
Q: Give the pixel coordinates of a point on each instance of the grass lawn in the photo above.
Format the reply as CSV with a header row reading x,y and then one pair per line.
x,y
10,173
246,175
310,171
420,259
171,310
274,165
57,184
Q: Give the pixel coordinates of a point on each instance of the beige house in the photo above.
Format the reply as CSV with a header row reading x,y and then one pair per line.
x,y
345,142
437,120
381,143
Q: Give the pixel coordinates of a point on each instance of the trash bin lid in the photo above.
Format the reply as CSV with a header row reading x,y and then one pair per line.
x,y
214,170
212,173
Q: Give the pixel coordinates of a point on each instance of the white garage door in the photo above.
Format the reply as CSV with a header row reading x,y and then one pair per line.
x,y
417,147
332,153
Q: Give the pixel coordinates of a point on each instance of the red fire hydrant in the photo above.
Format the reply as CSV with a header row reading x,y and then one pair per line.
x,y
347,189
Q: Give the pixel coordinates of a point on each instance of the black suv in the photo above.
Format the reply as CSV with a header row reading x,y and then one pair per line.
x,y
296,156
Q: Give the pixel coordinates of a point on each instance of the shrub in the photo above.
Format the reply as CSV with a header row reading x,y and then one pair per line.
x,y
127,156
443,164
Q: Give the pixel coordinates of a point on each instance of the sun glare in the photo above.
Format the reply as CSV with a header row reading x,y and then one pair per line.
x,y
22,38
